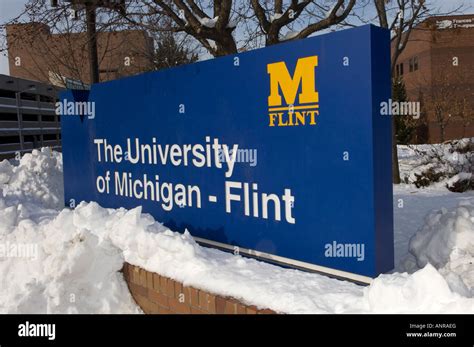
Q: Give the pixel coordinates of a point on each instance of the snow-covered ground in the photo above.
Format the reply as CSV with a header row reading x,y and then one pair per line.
x,y
58,260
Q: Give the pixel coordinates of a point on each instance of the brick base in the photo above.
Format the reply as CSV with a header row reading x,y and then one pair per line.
x,y
157,294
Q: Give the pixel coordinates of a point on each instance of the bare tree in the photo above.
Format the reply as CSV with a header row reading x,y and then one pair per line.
x,y
213,23
448,102
209,24
272,19
51,40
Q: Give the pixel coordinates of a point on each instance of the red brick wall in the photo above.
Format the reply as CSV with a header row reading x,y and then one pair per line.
x,y
157,294
41,51
438,81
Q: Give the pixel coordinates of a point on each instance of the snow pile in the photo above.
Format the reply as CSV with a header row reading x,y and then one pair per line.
x,y
81,252
148,244
425,291
71,259
6,171
47,265
38,178
447,242
62,268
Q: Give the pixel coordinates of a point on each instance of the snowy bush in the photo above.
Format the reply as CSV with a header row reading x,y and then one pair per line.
x,y
428,177
449,164
461,182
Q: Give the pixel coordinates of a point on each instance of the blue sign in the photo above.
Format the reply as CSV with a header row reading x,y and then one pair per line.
x,y
279,152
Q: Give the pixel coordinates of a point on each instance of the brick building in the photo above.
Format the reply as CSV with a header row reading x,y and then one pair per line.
x,y
437,67
35,53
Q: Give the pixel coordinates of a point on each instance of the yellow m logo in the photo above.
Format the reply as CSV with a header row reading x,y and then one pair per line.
x,y
304,75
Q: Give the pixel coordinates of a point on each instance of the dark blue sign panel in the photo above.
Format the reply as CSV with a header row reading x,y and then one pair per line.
x,y
280,152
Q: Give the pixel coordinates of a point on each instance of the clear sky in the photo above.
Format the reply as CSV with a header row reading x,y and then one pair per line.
x,y
11,8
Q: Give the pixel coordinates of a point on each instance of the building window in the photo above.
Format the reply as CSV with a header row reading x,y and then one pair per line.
x,y
413,64
399,69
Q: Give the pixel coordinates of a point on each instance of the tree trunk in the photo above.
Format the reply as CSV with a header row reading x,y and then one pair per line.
x,y
395,168
92,43
225,46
